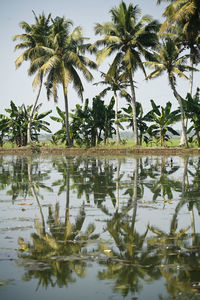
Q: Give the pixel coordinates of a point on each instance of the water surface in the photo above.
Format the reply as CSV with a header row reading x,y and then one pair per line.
x,y
99,228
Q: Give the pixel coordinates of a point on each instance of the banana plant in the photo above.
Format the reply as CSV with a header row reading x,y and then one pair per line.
x,y
127,116
4,128
61,134
18,123
163,117
89,125
192,111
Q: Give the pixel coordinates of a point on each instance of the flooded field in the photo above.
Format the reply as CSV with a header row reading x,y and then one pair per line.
x,y
75,227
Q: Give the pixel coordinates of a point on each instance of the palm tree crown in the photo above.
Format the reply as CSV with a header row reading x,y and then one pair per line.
x,y
168,59
35,36
129,39
62,59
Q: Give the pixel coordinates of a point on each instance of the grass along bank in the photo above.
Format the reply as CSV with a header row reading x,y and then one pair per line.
x,y
111,148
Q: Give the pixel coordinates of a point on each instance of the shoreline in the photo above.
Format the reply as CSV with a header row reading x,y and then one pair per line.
x,y
103,151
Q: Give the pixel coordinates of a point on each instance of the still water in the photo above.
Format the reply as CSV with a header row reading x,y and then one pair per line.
x,y
99,228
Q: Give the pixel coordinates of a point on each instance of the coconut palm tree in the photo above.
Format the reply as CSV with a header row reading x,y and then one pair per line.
x,y
130,40
185,16
62,60
114,83
168,59
35,35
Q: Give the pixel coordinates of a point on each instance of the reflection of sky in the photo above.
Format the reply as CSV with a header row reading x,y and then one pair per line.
x,y
17,220
17,86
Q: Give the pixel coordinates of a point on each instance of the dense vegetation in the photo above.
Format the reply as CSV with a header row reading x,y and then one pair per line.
x,y
59,54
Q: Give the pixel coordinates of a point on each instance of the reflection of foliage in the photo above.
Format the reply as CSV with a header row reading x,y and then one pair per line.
x,y
178,260
94,177
14,176
129,262
193,191
162,185
129,258
60,252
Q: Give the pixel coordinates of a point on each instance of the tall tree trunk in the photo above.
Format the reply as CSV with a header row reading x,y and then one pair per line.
x,y
68,140
116,118
33,111
189,91
133,102
178,98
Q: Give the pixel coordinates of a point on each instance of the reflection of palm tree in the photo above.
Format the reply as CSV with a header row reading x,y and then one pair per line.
x,y
191,191
35,196
128,260
14,176
178,260
61,252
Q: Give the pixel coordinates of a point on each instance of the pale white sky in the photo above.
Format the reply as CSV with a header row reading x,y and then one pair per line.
x,y
17,86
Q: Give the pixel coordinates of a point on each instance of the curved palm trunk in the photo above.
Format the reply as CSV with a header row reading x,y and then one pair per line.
x,y
68,140
133,103
116,118
33,111
178,98
189,91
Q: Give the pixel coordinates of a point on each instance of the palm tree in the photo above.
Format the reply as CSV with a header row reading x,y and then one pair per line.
x,y
168,59
35,36
185,16
114,83
129,39
62,60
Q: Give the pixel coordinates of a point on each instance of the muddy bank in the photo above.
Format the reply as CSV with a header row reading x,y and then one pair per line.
x,y
93,151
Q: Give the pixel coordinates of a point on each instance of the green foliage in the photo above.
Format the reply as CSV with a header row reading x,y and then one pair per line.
x,y
127,116
88,124
16,124
162,117
192,111
4,128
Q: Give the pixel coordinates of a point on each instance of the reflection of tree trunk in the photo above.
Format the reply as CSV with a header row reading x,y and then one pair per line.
x,y
135,194
117,184
33,190
174,219
185,185
185,182
67,194
192,222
